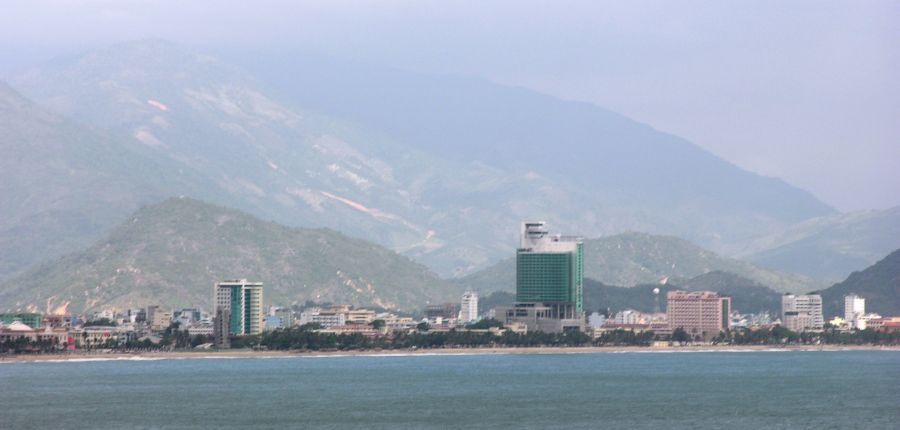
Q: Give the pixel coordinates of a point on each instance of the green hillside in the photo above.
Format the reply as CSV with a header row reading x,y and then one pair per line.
x,y
172,253
879,284
637,258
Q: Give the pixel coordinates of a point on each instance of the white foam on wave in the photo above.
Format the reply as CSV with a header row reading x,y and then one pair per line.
x,y
430,354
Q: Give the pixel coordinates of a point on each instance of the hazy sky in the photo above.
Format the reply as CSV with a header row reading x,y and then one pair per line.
x,y
803,90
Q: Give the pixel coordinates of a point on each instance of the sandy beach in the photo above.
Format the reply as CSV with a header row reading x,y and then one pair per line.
x,y
234,354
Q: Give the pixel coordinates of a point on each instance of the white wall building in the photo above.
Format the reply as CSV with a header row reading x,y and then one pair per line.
x,y
328,319
468,310
854,307
628,316
596,320
802,312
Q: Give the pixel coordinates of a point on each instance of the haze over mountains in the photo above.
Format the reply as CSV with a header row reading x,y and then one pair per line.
x,y
63,186
439,168
829,247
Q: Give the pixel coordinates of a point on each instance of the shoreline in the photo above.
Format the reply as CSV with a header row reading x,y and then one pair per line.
x,y
246,354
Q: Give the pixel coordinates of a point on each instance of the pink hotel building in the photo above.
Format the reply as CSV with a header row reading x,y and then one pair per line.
x,y
702,313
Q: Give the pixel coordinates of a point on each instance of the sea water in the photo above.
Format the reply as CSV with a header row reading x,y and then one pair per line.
x,y
727,390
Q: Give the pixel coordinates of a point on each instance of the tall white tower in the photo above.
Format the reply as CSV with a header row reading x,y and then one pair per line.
x,y
468,311
854,307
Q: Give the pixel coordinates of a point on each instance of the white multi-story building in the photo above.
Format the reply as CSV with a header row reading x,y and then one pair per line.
x,y
468,310
205,329
360,316
802,312
328,319
596,320
854,307
628,316
286,315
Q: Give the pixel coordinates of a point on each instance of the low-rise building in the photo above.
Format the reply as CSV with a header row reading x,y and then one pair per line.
x,y
286,315
863,321
538,316
201,329
101,336
360,316
596,320
629,316
446,311
364,330
19,330
328,319
159,319
32,320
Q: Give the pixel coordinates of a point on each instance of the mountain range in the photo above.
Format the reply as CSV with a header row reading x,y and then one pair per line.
x,y
64,186
170,253
173,252
879,284
439,168
828,247
631,259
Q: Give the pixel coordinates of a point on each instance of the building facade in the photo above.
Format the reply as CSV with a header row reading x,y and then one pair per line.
x,y
699,313
443,312
802,312
468,309
854,307
360,316
160,319
549,280
328,318
244,300
32,320
628,316
222,327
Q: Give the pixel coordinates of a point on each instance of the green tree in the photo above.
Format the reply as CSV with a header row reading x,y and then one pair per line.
x,y
680,336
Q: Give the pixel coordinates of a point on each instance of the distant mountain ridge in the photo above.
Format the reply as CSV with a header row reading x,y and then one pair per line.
x,y
829,247
879,284
631,259
63,185
439,168
171,253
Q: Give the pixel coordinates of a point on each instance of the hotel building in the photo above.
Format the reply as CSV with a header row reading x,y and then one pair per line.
x,y
802,312
244,302
699,313
549,281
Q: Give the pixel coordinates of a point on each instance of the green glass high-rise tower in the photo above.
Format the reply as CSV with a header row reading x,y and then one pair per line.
x,y
550,271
